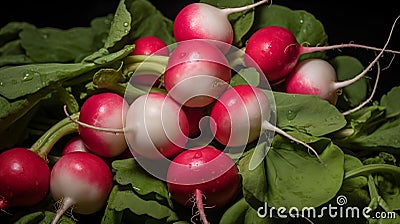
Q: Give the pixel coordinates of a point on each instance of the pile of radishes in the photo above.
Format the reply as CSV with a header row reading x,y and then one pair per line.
x,y
189,116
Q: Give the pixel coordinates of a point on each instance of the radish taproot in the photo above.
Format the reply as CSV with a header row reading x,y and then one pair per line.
x,y
24,178
204,21
242,114
80,180
106,111
203,172
156,126
197,72
276,51
148,45
318,77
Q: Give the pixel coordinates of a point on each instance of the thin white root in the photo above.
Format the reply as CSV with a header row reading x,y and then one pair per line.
x,y
269,126
370,97
112,130
339,85
66,203
228,11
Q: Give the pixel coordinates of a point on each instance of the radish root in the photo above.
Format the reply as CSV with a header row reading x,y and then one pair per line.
x,y
200,206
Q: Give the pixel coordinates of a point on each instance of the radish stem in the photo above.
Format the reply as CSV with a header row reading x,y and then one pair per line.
x,y
228,11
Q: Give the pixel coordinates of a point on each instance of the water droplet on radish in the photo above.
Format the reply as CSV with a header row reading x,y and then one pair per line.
x,y
197,155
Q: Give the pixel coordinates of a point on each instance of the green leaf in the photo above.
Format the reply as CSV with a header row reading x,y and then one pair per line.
x,y
308,114
43,217
254,183
147,20
248,76
296,179
307,29
346,68
391,102
129,200
120,26
128,171
241,21
11,31
235,213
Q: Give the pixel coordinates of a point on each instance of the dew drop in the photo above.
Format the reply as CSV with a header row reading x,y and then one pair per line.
x,y
126,24
182,55
28,76
45,36
290,115
301,21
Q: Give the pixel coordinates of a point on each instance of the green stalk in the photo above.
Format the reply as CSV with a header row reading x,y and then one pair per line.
x,y
372,168
45,143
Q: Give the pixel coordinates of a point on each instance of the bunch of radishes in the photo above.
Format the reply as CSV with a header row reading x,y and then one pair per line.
x,y
162,125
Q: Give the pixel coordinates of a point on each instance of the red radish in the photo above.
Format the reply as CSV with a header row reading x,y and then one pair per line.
x,y
156,126
203,172
276,51
241,115
204,21
317,77
104,110
197,72
148,45
24,178
75,144
80,180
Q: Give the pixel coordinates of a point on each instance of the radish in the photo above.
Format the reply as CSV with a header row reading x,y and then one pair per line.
x,y
104,110
148,45
75,144
203,172
197,72
276,51
80,180
241,115
194,115
156,126
24,178
204,21
317,77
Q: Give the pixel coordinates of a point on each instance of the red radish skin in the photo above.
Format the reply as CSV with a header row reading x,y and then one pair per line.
x,y
197,72
24,178
194,115
80,180
204,21
75,144
104,110
206,174
276,51
317,77
241,115
156,126
148,45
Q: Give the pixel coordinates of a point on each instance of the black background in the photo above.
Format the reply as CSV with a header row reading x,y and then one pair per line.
x,y
344,21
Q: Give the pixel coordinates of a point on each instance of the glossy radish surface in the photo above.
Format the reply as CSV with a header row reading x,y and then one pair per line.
x,y
104,110
276,51
203,173
80,180
197,72
204,21
156,126
241,115
75,144
24,178
148,45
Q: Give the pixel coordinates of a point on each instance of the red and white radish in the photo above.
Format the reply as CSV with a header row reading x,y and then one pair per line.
x,y
24,178
276,51
203,172
75,144
318,77
197,73
156,126
204,21
148,45
80,180
241,115
106,111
